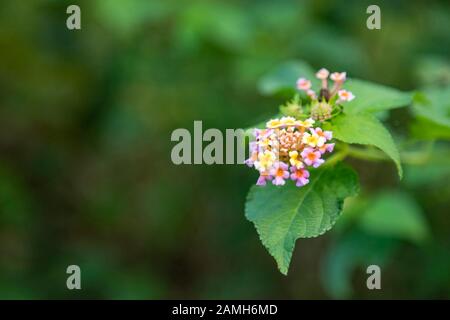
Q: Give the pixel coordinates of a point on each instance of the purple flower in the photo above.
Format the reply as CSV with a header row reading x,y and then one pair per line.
x,y
250,161
262,180
256,132
301,176
253,148
311,157
264,133
280,173
328,147
328,135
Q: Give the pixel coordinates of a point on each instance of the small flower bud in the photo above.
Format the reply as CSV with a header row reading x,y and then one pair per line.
x,y
292,108
322,74
321,111
303,84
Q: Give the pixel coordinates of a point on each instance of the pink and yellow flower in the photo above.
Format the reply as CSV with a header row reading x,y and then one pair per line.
x,y
308,123
345,95
311,157
287,121
274,123
303,84
327,147
313,139
253,157
263,178
300,176
328,135
338,76
265,161
322,74
294,159
280,173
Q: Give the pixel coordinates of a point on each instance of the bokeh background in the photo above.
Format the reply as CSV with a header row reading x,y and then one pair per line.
x,y
85,170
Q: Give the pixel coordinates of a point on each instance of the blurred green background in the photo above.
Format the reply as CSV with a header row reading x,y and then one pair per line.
x,y
85,170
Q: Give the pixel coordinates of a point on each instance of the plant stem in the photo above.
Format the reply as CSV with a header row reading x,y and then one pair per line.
x,y
338,156
409,157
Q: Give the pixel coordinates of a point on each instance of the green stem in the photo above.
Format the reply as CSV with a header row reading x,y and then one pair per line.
x,y
409,157
340,155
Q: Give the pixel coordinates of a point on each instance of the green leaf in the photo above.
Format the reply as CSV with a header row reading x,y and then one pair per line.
x,y
395,214
284,214
284,78
435,172
432,111
432,70
371,97
424,129
367,130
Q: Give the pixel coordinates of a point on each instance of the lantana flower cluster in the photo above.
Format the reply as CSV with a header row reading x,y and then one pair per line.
x,y
286,148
